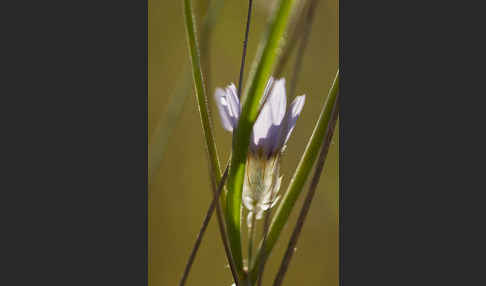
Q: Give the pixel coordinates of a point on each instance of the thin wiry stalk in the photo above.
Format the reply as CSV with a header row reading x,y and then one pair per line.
x,y
308,200
303,44
205,224
297,182
223,232
214,171
245,43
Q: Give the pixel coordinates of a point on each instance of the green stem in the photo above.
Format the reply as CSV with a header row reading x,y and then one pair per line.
x,y
200,91
204,113
266,59
297,182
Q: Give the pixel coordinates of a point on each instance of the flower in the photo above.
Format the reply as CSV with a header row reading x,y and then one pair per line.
x,y
271,131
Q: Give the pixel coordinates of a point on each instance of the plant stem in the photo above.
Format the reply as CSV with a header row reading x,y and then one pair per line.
x,y
245,43
214,171
308,200
265,59
200,91
222,228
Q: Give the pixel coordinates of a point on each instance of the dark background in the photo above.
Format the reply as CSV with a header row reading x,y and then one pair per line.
x,y
74,143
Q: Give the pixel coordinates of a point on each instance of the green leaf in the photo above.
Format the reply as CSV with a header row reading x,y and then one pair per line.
x,y
265,61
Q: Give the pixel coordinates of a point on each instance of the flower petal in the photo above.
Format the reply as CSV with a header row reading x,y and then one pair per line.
x,y
262,124
294,112
234,102
278,101
228,106
268,126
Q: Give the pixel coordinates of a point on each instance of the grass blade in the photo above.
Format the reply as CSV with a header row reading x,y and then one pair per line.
x,y
200,91
266,59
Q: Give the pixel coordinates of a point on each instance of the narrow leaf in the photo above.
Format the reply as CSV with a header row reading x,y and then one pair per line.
x,y
266,59
200,91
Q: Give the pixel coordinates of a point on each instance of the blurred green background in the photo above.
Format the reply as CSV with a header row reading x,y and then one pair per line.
x,y
179,191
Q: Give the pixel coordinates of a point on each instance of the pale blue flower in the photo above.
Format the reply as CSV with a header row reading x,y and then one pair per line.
x,y
275,123
271,131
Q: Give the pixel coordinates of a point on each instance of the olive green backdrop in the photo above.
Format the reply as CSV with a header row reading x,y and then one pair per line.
x,y
179,192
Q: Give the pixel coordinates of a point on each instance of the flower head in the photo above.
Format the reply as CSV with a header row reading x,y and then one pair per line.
x,y
271,131
274,124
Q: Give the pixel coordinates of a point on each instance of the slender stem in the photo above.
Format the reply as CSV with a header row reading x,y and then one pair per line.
x,y
266,58
245,43
204,226
200,91
201,98
297,182
222,228
308,200
224,238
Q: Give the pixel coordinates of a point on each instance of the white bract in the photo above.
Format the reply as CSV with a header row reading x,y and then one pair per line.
x,y
271,132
